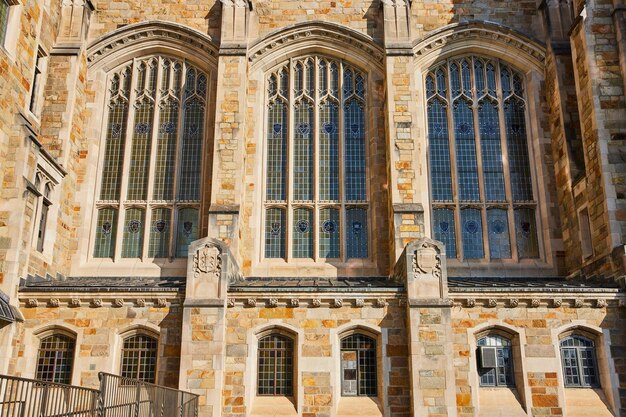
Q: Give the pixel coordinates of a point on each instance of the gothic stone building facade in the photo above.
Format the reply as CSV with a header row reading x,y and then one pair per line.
x,y
318,208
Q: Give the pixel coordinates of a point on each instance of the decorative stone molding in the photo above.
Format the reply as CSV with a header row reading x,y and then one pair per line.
x,y
230,302
470,302
359,302
380,303
118,302
75,302
144,35
337,302
557,302
96,302
578,303
32,303
273,302
427,260
251,302
53,302
316,302
535,302
492,303
600,303
339,38
140,302
207,263
502,41
160,303
513,302
294,302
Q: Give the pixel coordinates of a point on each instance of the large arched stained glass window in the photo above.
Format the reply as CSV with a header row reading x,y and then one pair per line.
x,y
316,203
149,193
481,187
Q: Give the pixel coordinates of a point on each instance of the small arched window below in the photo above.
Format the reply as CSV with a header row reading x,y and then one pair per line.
x,y
275,370
56,359
578,356
495,361
139,358
358,366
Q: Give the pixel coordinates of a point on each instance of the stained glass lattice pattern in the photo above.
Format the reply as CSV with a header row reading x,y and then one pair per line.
x,y
139,358
275,367
187,230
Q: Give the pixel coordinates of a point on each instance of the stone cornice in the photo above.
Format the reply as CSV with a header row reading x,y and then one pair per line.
x,y
494,37
99,300
313,301
536,301
343,40
159,34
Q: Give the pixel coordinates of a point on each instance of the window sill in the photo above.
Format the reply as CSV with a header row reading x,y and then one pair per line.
x,y
500,401
500,268
583,402
359,407
273,407
312,268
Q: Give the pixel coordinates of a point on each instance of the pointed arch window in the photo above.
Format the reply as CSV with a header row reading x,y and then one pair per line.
x,y
497,350
149,192
275,367
580,366
316,204
55,359
481,183
139,358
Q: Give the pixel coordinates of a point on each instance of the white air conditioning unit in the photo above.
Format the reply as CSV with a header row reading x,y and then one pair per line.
x,y
488,357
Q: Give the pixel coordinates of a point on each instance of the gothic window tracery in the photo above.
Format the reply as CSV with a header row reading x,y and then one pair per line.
x,y
149,192
316,204
481,183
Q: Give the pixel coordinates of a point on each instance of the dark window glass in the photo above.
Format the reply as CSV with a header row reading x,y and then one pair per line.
x,y
55,359
139,358
502,374
275,370
358,366
578,356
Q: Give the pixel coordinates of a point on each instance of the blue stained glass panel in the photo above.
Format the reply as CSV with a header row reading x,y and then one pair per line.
x,y
276,185
472,234
354,159
302,233
466,164
493,170
445,230
498,229
440,168
356,233
329,240
303,152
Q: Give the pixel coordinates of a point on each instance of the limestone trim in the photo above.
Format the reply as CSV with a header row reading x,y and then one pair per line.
x,y
309,301
322,37
489,38
536,300
142,328
32,340
166,37
91,300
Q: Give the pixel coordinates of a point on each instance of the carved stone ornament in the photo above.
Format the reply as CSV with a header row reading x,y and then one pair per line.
x,y
273,302
160,302
31,302
141,302
600,303
118,302
53,302
75,302
492,302
337,302
470,302
578,303
294,302
557,302
427,260
207,262
359,302
317,302
513,302
381,302
534,302
230,302
96,302
251,302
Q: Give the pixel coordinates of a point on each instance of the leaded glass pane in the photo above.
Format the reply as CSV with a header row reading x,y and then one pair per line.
x,y
526,233
347,83
310,78
323,77
303,152
498,228
275,366
275,221
132,244
472,234
277,152
491,79
466,77
442,88
519,164
140,151
430,86
106,231
443,224
358,366
356,233
454,80
114,150
298,79
578,356
334,79
329,152
440,169
139,358
191,150
354,160
166,151
160,233
303,233
330,243
466,163
4,20
493,170
55,359
187,230
480,77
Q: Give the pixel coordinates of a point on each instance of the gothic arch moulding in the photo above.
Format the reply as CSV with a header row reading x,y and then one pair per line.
x,y
149,37
317,37
483,38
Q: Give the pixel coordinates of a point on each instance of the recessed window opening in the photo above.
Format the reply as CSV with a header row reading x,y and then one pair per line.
x,y
358,366
275,366
139,358
495,361
55,359
580,366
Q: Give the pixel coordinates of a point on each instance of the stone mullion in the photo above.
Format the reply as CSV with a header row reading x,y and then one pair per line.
x,y
289,177
453,165
316,159
153,150
505,164
479,160
343,216
128,142
179,139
